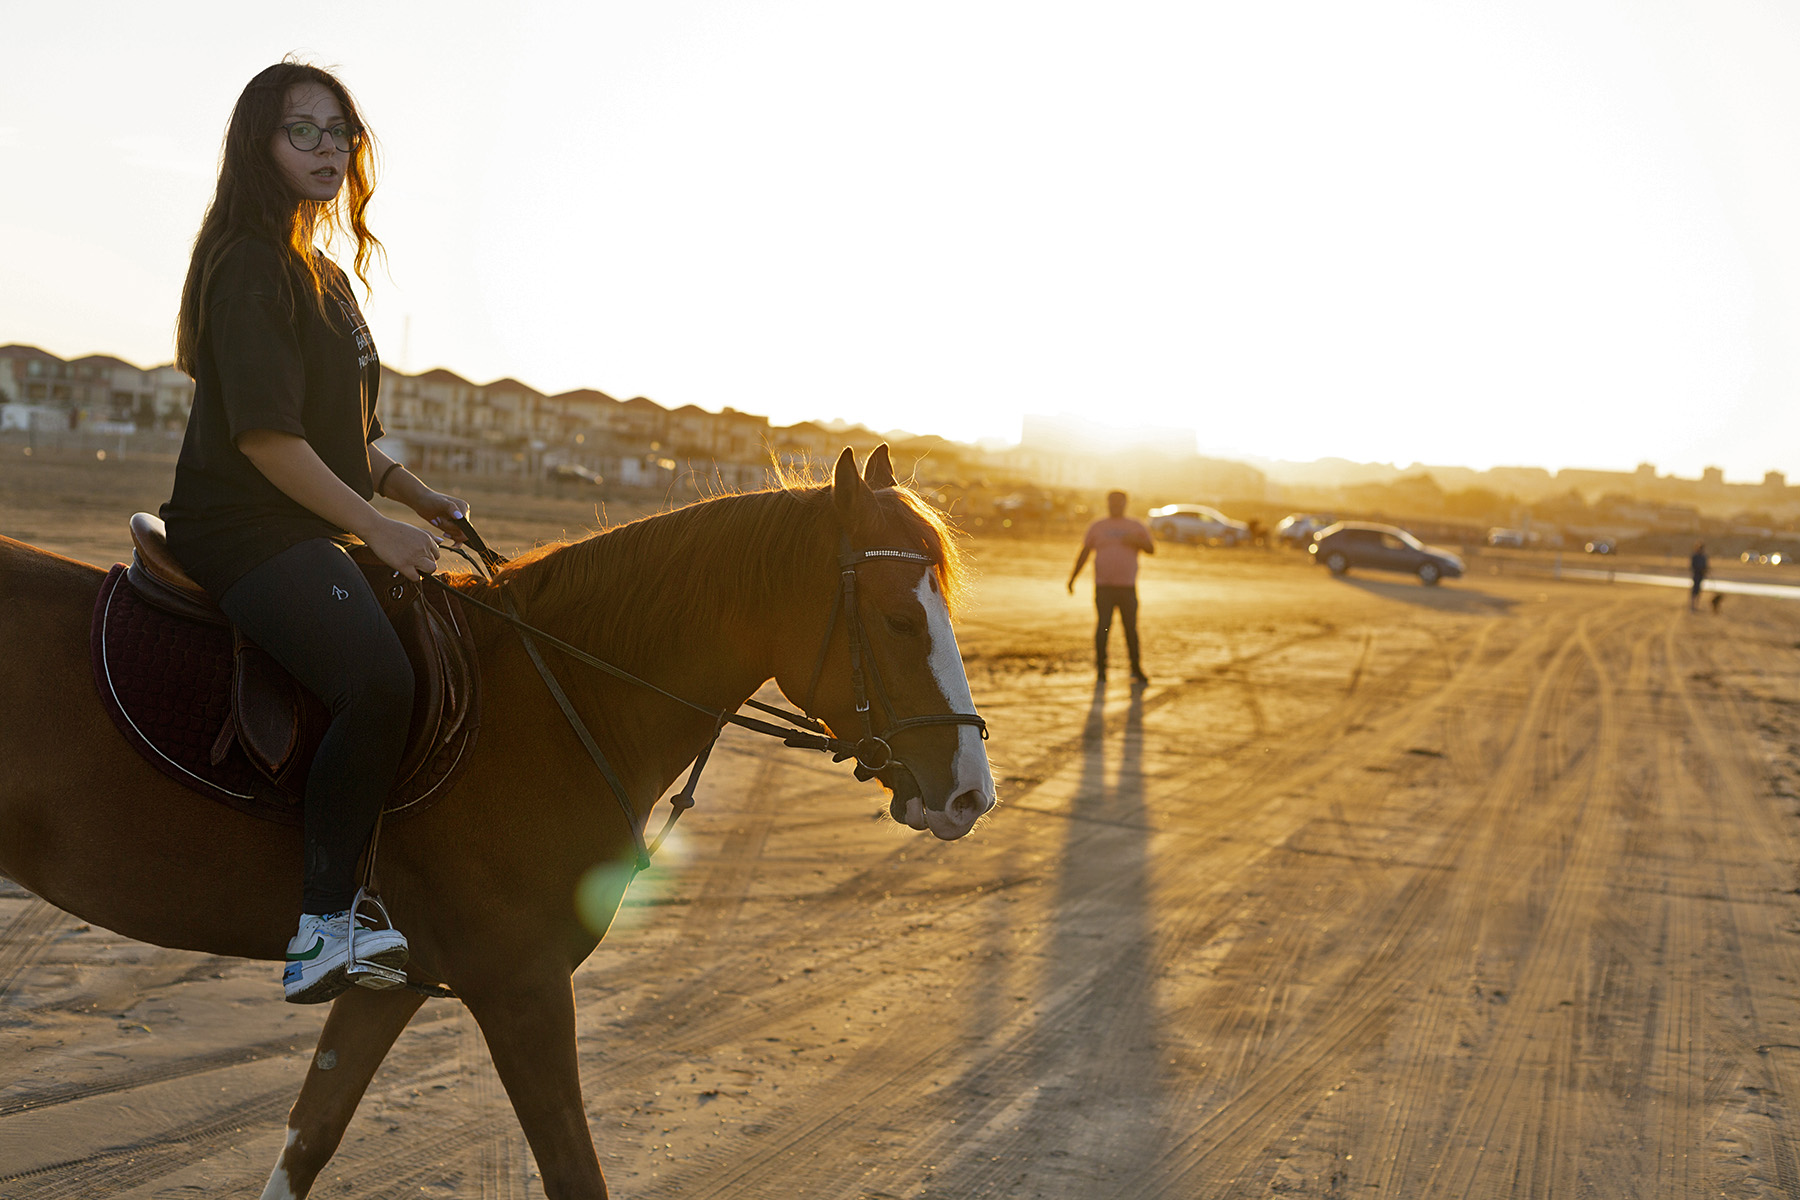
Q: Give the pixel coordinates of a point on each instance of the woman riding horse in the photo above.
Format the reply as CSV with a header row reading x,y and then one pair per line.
x,y
278,467
708,601
840,592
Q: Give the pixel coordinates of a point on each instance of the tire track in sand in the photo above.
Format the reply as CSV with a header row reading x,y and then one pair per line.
x,y
120,1168
1006,1069
1501,1141
130,1078
27,936
1733,796
1351,1010
1004,1074
1412,1131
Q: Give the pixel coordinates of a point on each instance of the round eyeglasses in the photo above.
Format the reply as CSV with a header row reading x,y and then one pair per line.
x,y
304,135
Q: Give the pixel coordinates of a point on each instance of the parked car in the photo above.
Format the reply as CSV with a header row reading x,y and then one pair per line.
x,y
1196,523
574,473
1506,537
1383,548
1297,529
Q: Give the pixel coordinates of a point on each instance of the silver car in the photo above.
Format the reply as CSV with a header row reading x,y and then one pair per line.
x,y
1196,523
1297,529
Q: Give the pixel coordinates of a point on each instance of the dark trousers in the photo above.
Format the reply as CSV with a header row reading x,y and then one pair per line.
x,y
1106,599
311,609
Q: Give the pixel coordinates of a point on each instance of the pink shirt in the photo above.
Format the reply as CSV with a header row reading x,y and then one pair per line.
x,y
1116,542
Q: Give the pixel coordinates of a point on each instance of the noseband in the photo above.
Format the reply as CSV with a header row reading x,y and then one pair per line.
x,y
873,754
874,751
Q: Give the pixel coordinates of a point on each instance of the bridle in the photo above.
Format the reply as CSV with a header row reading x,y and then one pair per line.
x,y
873,752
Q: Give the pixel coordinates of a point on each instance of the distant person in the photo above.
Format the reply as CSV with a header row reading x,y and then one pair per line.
x,y
1697,566
278,467
1115,542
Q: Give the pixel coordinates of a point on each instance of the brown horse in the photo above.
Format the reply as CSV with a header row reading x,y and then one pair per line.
x,y
709,602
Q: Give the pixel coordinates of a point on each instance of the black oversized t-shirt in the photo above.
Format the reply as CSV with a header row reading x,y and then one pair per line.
x,y
268,360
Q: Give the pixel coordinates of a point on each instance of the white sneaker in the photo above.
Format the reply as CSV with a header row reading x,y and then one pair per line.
x,y
319,952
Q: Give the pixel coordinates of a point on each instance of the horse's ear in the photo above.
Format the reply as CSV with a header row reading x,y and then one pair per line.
x,y
878,471
846,484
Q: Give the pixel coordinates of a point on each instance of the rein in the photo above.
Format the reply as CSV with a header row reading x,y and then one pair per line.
x,y
872,752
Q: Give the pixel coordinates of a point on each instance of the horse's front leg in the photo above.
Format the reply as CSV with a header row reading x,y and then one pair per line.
x,y
529,1024
357,1036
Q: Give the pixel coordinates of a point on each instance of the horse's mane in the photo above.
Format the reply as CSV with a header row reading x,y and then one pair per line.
x,y
641,588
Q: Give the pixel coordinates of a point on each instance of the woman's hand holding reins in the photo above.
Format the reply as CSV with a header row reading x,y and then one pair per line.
x,y
444,512
395,482
406,548
295,467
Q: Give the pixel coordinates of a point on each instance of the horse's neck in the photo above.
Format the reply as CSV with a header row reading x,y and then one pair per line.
x,y
712,644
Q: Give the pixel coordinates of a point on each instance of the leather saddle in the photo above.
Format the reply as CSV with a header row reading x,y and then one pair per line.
x,y
269,719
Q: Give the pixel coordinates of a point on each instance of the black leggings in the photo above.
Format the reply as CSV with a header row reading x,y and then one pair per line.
x,y
1125,600
312,610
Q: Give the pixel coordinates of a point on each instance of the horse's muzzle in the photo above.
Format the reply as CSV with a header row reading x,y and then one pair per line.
x,y
959,815
956,817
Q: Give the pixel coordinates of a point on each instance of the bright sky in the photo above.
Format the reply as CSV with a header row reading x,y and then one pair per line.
x,y
1553,232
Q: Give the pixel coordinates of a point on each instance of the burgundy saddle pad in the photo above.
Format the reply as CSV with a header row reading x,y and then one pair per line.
x,y
166,681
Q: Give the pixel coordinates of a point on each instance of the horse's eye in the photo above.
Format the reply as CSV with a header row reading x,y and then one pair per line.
x,y
903,626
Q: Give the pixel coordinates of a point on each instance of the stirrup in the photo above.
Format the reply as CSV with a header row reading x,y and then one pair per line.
x,y
371,975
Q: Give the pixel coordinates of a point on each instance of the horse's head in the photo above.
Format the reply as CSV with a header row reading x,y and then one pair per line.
x,y
884,670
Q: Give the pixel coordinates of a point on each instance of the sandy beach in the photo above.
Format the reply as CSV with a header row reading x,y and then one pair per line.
x,y
1377,890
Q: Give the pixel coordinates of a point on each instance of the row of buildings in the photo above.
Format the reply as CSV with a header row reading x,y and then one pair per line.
x,y
438,421
38,390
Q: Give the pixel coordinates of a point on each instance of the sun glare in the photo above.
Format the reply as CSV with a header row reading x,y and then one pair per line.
x,y
1389,233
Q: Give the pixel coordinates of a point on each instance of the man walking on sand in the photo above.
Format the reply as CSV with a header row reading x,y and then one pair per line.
x,y
1115,542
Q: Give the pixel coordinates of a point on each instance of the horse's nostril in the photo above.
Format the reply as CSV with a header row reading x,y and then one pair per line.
x,y
967,807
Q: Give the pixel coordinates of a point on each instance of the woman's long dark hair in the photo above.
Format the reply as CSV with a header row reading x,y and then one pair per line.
x,y
253,200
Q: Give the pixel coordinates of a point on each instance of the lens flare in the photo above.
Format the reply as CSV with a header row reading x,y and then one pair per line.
x,y
598,894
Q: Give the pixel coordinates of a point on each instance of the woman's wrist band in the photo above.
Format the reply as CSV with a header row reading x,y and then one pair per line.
x,y
381,487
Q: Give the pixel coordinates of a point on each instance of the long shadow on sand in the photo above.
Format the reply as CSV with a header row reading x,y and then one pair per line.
x,y
1452,596
1089,1062
1098,989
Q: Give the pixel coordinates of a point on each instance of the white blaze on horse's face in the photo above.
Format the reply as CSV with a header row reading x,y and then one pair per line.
x,y
971,781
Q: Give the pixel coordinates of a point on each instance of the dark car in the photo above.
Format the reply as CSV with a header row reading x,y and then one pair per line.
x,y
1383,548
